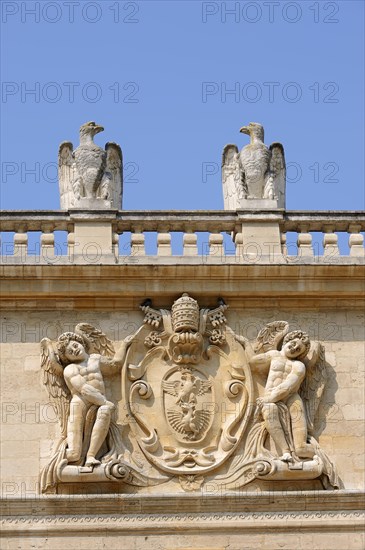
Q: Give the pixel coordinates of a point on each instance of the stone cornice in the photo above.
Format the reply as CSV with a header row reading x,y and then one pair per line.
x,y
122,287
318,510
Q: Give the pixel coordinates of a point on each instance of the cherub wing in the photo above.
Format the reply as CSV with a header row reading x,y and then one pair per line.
x,y
233,178
171,387
66,174
99,343
54,381
314,382
278,172
270,336
203,386
114,165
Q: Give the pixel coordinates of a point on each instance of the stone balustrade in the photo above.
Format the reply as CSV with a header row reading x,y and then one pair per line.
x,y
95,237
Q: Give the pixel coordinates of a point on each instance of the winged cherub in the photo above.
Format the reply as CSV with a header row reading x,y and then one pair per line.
x,y
286,374
74,379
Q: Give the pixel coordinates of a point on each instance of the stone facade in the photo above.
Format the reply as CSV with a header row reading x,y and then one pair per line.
x,y
204,399
322,303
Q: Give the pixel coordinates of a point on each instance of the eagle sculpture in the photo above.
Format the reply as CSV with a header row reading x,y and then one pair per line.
x,y
90,173
257,172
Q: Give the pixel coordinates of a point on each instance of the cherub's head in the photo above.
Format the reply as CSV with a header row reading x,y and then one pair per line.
x,y
296,344
72,348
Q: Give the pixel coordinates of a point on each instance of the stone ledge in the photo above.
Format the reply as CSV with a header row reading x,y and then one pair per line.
x,y
124,287
245,502
184,261
318,513
191,523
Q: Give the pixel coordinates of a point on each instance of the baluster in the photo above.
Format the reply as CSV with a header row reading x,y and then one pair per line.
x,y
304,242
284,248
21,243
70,243
115,244
216,245
47,243
330,243
138,244
238,241
190,241
356,241
164,244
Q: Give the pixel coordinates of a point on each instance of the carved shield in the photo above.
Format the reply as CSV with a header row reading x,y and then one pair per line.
x,y
187,416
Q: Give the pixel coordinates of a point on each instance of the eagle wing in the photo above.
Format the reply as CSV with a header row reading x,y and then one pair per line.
x,y
270,336
58,392
114,166
99,343
277,174
202,419
203,386
314,382
171,387
233,178
66,174
175,420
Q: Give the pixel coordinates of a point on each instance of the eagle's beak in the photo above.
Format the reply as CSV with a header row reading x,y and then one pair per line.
x,y
98,129
245,130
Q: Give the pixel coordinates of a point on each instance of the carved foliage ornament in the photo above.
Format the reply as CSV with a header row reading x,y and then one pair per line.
x,y
189,406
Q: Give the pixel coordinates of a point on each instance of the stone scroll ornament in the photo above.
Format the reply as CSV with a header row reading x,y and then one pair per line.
x,y
191,402
90,177
256,172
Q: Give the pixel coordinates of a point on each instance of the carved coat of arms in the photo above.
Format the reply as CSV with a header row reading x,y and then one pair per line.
x,y
190,401
187,388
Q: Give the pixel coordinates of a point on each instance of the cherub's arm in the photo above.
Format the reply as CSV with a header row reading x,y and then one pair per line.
x,y
288,386
110,366
255,361
261,359
246,344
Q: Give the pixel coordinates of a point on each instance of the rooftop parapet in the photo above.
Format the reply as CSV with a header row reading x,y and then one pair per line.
x,y
182,237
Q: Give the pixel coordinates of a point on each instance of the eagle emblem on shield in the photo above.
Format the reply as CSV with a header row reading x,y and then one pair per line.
x,y
187,387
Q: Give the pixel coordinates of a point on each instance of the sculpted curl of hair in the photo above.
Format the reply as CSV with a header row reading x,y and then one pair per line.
x,y
65,339
303,336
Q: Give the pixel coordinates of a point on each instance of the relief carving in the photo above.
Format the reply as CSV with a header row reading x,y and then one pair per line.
x,y
200,403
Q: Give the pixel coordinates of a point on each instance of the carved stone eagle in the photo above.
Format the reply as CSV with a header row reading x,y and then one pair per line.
x,y
257,172
90,173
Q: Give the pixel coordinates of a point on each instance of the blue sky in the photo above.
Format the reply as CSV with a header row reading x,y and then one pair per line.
x,y
158,74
